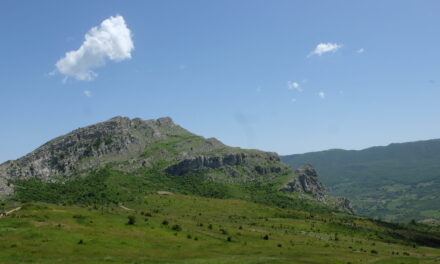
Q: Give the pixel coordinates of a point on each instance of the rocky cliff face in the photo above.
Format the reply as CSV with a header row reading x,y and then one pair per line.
x,y
306,181
62,155
241,167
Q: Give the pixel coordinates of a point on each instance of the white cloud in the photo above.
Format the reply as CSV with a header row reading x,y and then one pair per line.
x,y
293,100
111,40
361,50
294,86
322,48
321,94
88,93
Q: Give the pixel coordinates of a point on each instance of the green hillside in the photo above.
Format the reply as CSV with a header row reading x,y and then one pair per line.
x,y
192,229
398,182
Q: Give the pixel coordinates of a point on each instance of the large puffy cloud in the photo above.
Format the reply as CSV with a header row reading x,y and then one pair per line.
x,y
110,41
322,48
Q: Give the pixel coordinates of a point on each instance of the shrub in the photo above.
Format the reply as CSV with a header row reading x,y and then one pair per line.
x,y
266,237
164,222
131,220
176,228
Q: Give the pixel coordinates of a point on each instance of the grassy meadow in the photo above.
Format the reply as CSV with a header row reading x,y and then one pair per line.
x,y
190,229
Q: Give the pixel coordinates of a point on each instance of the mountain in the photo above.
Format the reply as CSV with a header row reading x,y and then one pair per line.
x,y
161,155
148,191
398,182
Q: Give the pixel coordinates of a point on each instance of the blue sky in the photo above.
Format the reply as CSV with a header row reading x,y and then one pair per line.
x,y
224,68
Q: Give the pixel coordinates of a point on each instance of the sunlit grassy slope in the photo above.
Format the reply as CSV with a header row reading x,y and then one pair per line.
x,y
190,229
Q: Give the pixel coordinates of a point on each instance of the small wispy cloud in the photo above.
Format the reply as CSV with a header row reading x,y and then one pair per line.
x,y
361,50
322,48
321,95
110,41
294,86
88,93
293,100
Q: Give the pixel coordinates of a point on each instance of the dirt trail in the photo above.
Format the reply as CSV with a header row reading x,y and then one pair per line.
x,y
125,208
9,212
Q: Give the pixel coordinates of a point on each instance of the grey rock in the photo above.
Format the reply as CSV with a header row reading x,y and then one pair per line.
x,y
305,180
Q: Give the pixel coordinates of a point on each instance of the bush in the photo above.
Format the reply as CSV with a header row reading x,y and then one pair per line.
x,y
131,220
266,237
176,228
165,222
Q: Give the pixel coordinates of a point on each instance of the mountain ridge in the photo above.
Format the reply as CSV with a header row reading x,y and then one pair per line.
x,y
156,146
397,182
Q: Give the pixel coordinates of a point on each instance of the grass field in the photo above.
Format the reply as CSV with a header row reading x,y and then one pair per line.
x,y
190,229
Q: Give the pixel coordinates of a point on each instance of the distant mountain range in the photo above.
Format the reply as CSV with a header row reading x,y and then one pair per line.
x,y
398,182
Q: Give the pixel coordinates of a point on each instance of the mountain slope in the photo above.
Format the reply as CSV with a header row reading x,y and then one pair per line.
x,y
135,191
111,160
189,229
398,182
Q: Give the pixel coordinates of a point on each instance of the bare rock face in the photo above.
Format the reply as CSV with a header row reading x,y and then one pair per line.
x,y
237,167
200,162
94,146
344,204
306,181
226,160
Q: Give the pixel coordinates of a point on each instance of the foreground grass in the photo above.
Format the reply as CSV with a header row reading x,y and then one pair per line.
x,y
188,229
